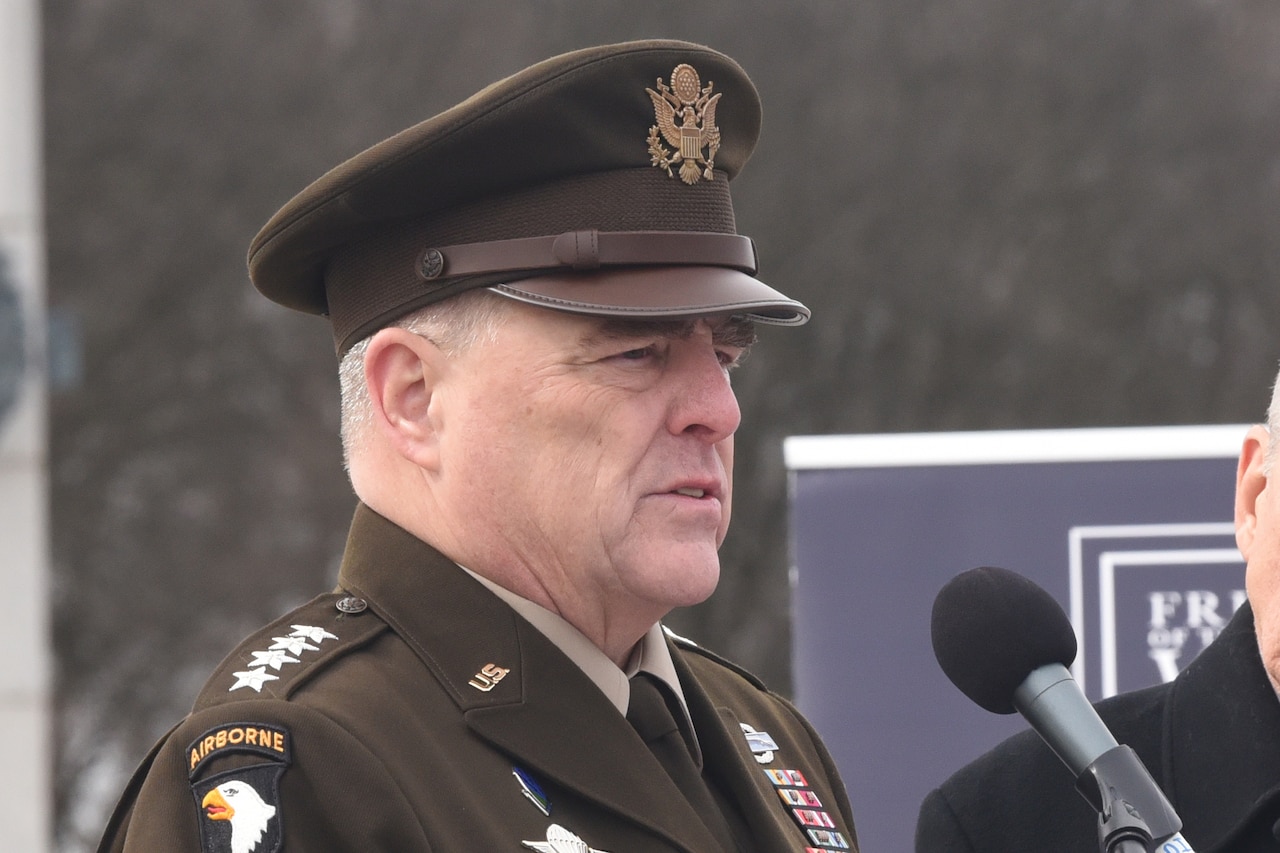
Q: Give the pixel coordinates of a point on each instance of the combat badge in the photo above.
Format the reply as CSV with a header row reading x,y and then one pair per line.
x,y
239,810
686,116
761,745
560,840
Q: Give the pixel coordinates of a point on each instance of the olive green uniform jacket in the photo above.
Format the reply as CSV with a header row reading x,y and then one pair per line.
x,y
402,727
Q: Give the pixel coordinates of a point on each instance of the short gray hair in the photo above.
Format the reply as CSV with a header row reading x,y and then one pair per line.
x,y
453,325
1273,429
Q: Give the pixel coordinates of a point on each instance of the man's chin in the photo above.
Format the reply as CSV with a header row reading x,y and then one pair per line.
x,y
682,579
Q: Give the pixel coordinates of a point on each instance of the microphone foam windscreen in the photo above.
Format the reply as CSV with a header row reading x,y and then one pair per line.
x,y
992,627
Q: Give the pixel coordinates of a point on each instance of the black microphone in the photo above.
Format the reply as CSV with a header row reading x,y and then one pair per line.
x,y
1006,643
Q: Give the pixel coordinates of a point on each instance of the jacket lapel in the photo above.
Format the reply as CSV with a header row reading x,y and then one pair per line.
x,y
1222,740
725,746
602,760
535,710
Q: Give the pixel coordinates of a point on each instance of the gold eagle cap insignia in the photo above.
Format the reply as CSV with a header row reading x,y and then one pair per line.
x,y
685,113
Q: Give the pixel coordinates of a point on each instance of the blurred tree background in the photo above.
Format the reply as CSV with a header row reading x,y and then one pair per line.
x,y
1004,215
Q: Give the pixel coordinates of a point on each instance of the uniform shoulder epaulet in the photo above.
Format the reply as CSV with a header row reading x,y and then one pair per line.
x,y
690,646
281,657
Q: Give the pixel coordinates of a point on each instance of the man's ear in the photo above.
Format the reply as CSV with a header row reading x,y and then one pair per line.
x,y
401,370
1250,483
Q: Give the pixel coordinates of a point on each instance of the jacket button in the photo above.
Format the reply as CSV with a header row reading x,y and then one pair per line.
x,y
351,604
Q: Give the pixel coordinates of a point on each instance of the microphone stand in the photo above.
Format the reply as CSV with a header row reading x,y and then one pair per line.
x,y
1133,814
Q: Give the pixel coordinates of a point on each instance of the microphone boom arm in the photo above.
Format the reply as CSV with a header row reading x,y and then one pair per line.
x,y
1140,819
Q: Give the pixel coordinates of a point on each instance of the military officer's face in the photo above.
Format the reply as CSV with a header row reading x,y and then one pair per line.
x,y
595,454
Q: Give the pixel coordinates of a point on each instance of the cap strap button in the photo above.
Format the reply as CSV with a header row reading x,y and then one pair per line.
x,y
431,264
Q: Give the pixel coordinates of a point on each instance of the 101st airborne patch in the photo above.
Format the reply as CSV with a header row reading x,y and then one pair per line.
x,y
694,130
239,807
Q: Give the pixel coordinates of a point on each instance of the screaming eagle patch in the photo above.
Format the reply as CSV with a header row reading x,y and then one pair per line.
x,y
239,808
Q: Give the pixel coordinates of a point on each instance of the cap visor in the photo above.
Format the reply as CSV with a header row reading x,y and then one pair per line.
x,y
659,292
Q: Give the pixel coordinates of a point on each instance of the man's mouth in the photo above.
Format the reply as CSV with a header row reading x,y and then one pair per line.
x,y
690,493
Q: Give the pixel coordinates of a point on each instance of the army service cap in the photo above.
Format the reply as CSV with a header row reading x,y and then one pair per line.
x,y
595,182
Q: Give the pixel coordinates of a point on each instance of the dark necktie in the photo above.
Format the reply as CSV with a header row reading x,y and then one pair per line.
x,y
650,714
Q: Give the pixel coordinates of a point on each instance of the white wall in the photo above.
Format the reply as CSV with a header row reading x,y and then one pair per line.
x,y
25,667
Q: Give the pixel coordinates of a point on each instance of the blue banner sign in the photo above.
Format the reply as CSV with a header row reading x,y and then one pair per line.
x,y
1130,529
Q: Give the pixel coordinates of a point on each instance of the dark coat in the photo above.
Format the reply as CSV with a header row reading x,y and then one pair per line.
x,y
1211,739
400,728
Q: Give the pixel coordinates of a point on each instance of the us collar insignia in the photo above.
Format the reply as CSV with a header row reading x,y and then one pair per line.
x,y
560,840
488,677
686,116
532,790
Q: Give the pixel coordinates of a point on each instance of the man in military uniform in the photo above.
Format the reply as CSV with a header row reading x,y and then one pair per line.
x,y
537,297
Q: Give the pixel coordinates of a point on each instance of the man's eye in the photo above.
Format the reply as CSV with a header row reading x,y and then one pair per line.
x,y
636,354
730,358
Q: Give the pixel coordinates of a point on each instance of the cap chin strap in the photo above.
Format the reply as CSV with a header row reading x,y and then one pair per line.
x,y
588,250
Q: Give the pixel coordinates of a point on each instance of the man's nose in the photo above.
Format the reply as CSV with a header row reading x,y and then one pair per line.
x,y
703,402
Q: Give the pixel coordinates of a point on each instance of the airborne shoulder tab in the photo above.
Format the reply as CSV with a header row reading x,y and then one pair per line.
x,y
292,650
